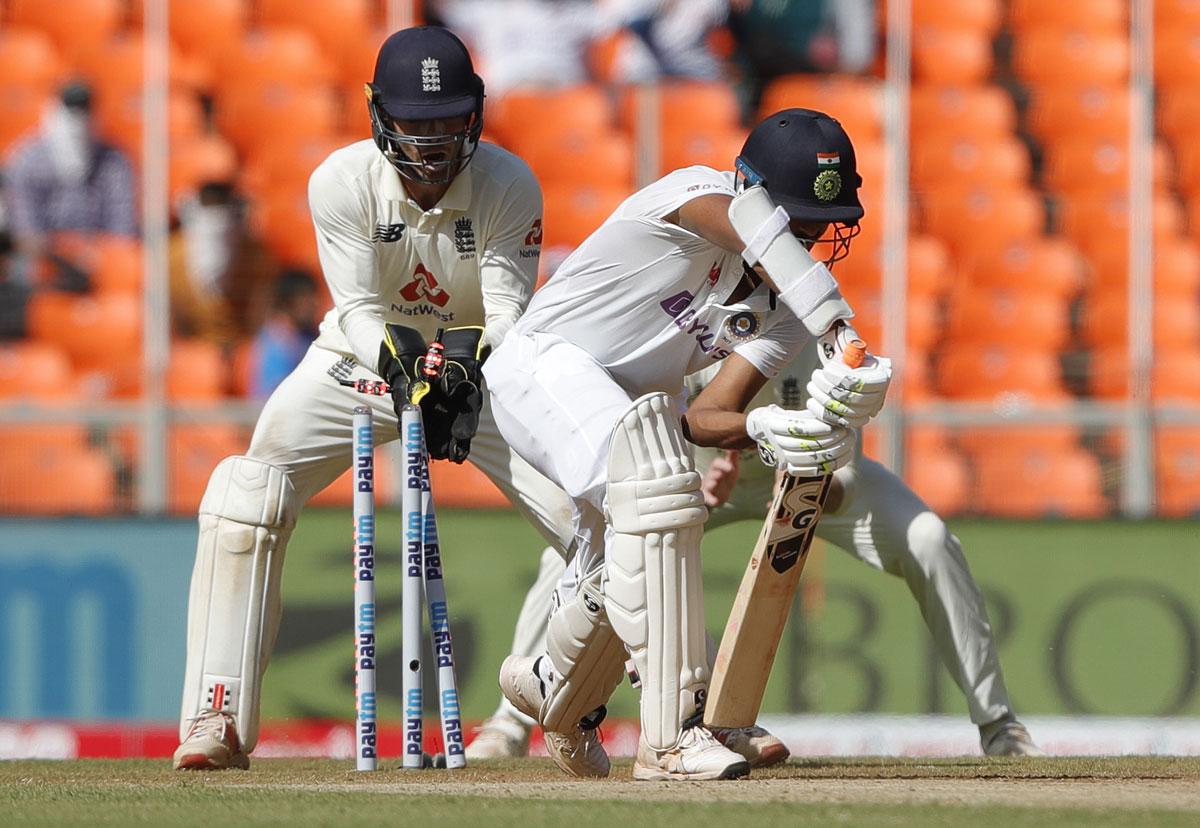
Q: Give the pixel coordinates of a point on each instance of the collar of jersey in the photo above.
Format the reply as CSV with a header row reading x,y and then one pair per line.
x,y
458,197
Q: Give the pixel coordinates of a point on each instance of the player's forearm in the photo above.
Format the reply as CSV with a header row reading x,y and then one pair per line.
x,y
716,428
364,331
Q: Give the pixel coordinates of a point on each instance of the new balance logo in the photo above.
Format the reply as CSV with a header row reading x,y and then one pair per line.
x,y
387,233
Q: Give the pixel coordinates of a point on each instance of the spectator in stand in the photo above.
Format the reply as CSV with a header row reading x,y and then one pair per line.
x,y
284,338
220,272
672,38
64,178
781,37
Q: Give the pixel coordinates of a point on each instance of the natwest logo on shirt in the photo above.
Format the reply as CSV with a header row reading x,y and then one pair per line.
x,y
424,285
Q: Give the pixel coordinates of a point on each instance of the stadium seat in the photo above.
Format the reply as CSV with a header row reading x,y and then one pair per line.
x,y
711,105
572,213
119,117
602,159
940,477
1177,59
462,486
31,370
995,373
1174,376
197,371
1051,266
948,55
982,161
338,25
995,316
74,25
1096,163
1176,268
266,56
715,147
285,166
579,108
44,478
28,58
941,111
928,267
1105,320
1176,14
1177,471
196,160
194,450
857,103
982,217
112,262
923,317
1036,484
95,331
981,441
21,111
118,67
205,28
1100,16
1101,219
1055,56
1074,111
983,16
283,222
252,117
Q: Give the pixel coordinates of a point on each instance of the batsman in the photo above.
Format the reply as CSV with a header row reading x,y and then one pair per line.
x,y
699,268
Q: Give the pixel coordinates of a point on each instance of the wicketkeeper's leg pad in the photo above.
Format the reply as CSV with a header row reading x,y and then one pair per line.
x,y
246,516
653,591
587,658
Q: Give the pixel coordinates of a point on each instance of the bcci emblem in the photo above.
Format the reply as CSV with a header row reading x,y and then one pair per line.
x,y
742,326
828,185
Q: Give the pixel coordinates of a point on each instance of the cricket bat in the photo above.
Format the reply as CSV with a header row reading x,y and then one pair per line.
x,y
761,606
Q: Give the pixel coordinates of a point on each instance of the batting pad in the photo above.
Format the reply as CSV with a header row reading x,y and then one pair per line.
x,y
653,591
246,516
587,656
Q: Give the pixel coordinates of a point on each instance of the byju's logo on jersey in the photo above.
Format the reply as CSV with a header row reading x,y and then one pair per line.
x,y
687,320
431,75
464,238
424,285
677,304
387,233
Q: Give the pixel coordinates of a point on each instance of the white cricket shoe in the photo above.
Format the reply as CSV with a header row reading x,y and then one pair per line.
x,y
754,744
1008,739
698,756
500,737
211,744
577,752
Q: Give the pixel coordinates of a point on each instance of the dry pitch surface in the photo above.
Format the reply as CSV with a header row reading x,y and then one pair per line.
x,y
967,791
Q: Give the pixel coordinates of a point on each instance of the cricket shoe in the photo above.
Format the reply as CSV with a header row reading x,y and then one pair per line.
x,y
1007,738
577,752
754,744
500,737
212,744
697,757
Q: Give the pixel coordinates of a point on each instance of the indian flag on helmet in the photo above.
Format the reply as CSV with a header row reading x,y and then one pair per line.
x,y
828,159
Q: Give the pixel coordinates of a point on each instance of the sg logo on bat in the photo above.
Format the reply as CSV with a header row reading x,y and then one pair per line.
x,y
796,521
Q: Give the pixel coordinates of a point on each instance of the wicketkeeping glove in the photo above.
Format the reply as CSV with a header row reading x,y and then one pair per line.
x,y
452,411
797,442
400,356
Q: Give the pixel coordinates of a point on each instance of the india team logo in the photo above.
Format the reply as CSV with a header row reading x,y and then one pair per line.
x,y
828,183
742,326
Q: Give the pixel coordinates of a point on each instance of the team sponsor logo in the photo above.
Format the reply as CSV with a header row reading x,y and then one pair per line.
x,y
743,326
677,304
699,187
424,285
534,236
431,75
714,273
464,238
387,233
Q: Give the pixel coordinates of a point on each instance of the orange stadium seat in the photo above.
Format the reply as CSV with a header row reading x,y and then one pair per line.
x,y
857,103
997,316
195,449
1176,268
119,117
251,117
1178,114
923,318
285,166
112,262
284,223
716,147
1101,219
990,372
1105,320
572,213
1049,439
928,267
356,64
945,55
1040,484
1174,376
1177,471
74,25
1102,16
104,329
462,486
197,371
117,66
21,110
199,159
51,478
578,108
1051,266
204,28
1096,163
1177,59
1057,56
980,161
266,56
940,477
29,58
982,16
1176,14
577,158
695,104
31,370
338,25
980,217
942,111
1074,111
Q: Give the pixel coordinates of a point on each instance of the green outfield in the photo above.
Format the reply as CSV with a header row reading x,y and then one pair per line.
x,y
967,791
1092,617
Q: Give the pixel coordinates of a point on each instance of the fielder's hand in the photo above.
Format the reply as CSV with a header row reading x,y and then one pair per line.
x,y
721,477
799,443
452,414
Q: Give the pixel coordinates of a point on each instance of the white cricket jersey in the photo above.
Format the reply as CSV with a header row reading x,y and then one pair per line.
x,y
471,260
643,296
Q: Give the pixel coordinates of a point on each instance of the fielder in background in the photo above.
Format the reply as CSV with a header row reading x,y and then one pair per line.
x,y
423,227
871,514
699,268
